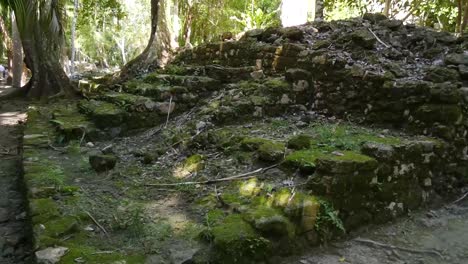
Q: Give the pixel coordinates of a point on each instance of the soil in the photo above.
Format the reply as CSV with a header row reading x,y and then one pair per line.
x,y
15,246
443,230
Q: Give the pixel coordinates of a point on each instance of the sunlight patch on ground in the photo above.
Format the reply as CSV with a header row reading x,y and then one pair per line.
x,y
11,118
170,210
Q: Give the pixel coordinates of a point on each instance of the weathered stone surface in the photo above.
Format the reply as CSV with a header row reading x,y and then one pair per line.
x,y
50,255
101,163
456,58
441,74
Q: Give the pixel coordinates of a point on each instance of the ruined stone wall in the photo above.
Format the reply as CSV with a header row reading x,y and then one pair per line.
x,y
371,70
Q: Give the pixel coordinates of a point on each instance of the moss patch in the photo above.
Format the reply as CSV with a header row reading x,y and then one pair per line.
x,y
238,242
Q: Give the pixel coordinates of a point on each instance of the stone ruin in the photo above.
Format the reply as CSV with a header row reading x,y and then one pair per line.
x,y
373,72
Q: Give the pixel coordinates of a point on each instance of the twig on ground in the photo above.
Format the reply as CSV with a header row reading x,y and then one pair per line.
x,y
461,198
82,137
168,112
378,39
410,250
246,175
97,223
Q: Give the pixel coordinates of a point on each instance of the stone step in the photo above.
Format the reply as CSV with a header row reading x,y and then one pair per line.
x,y
193,83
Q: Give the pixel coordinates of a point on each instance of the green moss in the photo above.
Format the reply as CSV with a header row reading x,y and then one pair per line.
x,y
269,221
252,143
59,227
330,137
271,151
175,69
90,255
301,141
43,173
43,209
276,87
236,241
305,160
214,217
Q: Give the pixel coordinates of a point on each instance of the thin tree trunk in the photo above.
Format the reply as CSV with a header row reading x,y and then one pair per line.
x,y
17,62
7,44
73,37
386,11
458,27
465,18
318,10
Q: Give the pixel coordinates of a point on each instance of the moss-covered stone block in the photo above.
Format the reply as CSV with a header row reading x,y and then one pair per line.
x,y
304,160
192,164
101,163
58,227
103,114
442,113
236,241
271,151
441,74
346,162
302,141
253,144
269,221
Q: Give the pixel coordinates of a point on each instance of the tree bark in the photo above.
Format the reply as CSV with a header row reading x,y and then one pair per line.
x,y
17,62
458,27
42,57
143,62
318,10
386,11
465,18
73,37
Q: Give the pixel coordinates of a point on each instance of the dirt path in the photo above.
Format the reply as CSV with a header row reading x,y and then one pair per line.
x,y
444,230
14,238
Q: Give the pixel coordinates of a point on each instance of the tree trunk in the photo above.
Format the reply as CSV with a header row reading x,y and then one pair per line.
x,y
73,37
386,11
7,44
458,27
318,10
144,61
42,56
17,62
465,18
188,26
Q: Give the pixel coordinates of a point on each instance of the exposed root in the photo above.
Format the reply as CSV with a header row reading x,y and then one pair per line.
x,y
410,250
461,198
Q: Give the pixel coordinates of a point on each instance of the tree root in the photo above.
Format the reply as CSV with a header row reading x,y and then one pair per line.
x,y
410,250
461,198
232,178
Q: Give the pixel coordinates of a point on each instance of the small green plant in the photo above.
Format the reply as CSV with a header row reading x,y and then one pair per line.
x,y
328,221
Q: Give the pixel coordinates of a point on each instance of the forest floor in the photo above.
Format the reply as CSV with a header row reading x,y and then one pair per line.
x,y
13,217
443,230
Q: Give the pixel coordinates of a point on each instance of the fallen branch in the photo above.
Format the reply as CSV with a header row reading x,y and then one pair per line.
x,y
246,175
410,250
168,112
461,198
97,223
378,39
